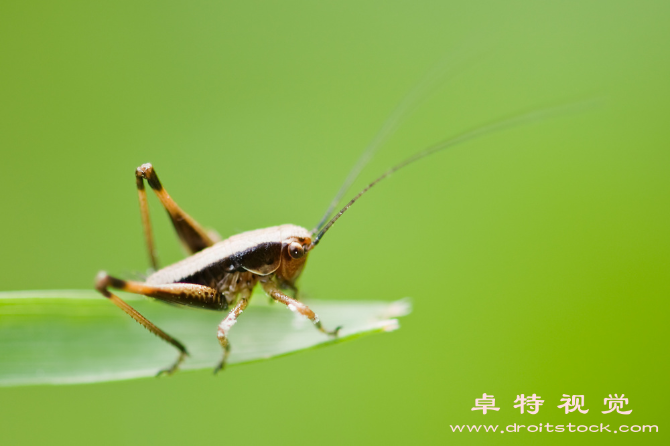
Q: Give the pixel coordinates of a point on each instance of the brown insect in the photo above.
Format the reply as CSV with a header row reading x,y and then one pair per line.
x,y
223,273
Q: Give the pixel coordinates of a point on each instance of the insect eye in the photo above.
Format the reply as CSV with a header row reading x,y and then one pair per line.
x,y
295,250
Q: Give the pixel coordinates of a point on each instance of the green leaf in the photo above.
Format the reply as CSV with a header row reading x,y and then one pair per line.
x,y
77,336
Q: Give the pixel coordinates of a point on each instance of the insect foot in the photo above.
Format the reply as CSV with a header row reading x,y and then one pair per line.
x,y
220,366
174,367
333,333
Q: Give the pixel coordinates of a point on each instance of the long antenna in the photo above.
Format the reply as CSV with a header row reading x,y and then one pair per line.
x,y
413,98
495,126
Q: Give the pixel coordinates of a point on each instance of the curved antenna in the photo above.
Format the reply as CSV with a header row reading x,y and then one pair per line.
x,y
409,103
495,126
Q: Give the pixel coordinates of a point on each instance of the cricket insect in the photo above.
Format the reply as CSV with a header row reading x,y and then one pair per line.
x,y
222,273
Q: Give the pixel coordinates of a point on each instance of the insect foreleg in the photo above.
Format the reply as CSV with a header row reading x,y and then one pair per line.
x,y
192,235
291,287
296,306
227,324
170,293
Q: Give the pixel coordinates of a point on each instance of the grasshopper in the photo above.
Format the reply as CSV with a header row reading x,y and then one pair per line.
x,y
220,274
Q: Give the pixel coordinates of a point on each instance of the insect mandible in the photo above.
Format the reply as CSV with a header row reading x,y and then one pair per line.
x,y
221,274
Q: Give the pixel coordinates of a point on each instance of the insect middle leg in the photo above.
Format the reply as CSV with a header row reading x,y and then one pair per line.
x,y
191,234
169,293
227,324
296,306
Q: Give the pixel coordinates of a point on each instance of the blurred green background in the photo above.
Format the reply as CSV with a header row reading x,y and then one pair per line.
x,y
537,259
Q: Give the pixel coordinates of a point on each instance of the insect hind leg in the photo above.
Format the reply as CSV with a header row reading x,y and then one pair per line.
x,y
169,293
194,237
